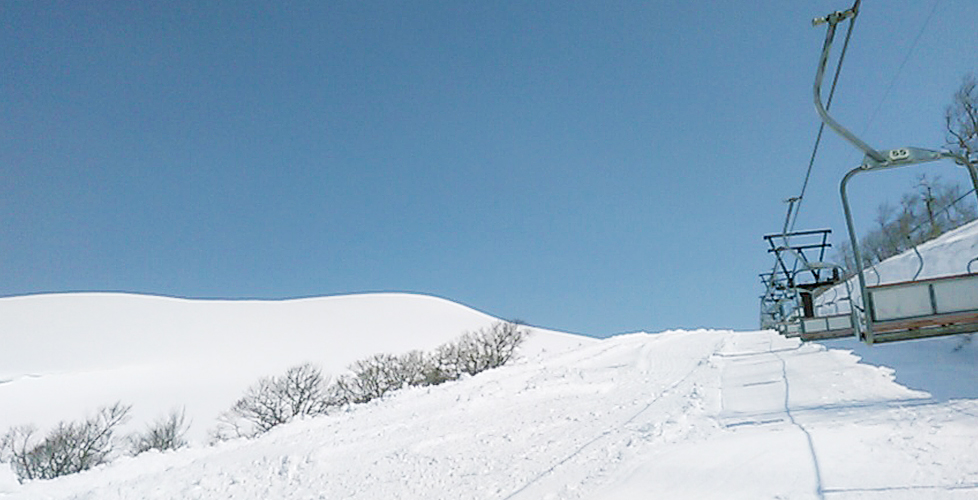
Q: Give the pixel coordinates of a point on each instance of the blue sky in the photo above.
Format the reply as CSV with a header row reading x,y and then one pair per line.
x,y
594,167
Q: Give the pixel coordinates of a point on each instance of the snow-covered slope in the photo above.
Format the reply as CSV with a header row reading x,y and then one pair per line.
x,y
946,255
63,355
675,415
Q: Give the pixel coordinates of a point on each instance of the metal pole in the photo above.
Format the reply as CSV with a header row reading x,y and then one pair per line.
x,y
819,76
857,255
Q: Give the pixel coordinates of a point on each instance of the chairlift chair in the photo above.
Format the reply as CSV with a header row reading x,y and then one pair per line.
x,y
912,309
807,274
814,273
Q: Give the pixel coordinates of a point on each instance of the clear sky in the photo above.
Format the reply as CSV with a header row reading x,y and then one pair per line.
x,y
593,167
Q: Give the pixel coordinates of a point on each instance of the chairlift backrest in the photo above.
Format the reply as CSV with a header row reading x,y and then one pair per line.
x,y
931,297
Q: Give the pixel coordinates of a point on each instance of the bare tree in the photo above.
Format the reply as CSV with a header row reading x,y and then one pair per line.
x,y
414,368
16,448
932,209
302,391
472,353
69,448
379,374
445,364
961,119
167,433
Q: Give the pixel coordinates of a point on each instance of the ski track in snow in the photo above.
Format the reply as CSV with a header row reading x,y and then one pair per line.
x,y
674,415
859,436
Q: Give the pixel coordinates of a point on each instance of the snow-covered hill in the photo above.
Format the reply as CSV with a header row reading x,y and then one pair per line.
x,y
946,255
63,355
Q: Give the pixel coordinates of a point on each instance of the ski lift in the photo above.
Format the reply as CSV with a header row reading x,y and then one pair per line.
x,y
778,303
800,281
814,273
799,273
911,309
809,327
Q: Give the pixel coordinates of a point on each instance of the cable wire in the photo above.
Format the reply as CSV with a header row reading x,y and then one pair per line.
x,y
828,105
940,212
899,70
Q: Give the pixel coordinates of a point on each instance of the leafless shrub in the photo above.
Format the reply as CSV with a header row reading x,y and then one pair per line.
x,y
413,368
167,433
485,349
69,448
445,364
375,376
304,391
273,401
474,352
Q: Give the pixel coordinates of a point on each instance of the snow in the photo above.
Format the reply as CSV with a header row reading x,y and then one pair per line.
x,y
678,414
947,255
705,414
63,355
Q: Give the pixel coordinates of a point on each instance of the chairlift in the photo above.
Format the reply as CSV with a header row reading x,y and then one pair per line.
x,y
813,326
814,272
911,309
798,284
777,300
799,273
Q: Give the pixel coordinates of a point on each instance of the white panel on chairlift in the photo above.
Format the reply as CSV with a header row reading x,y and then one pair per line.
x,y
955,295
813,325
839,322
905,301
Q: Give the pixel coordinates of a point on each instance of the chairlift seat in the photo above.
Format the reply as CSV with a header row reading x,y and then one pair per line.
x,y
926,308
827,327
791,329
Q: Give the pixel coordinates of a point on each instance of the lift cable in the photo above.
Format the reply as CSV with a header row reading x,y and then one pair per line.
x,y
910,233
899,70
821,128
794,203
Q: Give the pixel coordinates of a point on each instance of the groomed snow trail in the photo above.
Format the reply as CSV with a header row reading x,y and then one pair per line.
x,y
803,422
674,415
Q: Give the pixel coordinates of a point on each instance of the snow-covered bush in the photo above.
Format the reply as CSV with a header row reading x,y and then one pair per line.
x,y
167,433
370,379
379,374
301,391
69,448
473,352
481,350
